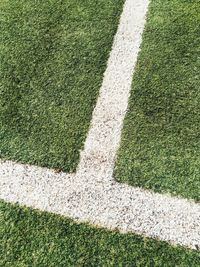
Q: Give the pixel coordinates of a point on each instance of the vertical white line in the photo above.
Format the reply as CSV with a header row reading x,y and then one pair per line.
x,y
104,135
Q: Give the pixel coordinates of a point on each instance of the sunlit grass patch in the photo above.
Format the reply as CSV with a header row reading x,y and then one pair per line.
x,y
52,58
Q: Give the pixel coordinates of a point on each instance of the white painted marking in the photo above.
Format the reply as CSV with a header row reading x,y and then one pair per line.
x,y
92,195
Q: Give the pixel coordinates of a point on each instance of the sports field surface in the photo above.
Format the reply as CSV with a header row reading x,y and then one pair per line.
x,y
52,58
160,145
68,69
32,238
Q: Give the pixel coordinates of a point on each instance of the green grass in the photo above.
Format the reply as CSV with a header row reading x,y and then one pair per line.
x,y
53,55
160,146
32,238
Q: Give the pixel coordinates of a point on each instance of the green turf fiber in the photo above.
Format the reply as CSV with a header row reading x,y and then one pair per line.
x,y
160,146
53,55
32,238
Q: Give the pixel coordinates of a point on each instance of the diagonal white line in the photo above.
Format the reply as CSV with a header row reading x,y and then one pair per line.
x,y
92,194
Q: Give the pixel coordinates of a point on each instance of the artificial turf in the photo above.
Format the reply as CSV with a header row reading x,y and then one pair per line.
x,y
53,55
160,147
33,238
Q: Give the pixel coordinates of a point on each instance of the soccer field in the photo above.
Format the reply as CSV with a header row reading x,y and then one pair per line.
x,y
73,190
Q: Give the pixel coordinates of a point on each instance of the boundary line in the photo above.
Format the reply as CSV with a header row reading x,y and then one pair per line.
x,y
92,195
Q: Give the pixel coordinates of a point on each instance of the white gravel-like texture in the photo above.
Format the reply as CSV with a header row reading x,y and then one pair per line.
x,y
92,195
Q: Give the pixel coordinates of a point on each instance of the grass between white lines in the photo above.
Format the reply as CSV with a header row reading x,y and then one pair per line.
x,y
53,55
92,194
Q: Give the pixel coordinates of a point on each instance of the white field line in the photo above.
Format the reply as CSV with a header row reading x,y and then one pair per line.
x,y
92,195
